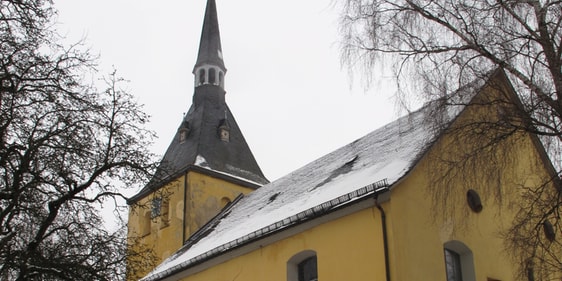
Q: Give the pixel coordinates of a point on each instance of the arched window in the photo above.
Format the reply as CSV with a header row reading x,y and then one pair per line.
x,y
221,79
308,270
202,76
212,76
453,265
164,213
459,262
303,267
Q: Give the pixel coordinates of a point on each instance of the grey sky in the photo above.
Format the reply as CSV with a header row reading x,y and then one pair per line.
x,y
284,83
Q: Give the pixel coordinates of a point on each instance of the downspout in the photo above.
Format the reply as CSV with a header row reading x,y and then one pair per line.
x,y
184,207
384,238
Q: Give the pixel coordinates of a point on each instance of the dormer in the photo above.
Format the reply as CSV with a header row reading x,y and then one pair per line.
x,y
183,131
224,131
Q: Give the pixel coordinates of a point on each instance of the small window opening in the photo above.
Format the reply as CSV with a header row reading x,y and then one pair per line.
x,y
549,231
164,213
303,267
183,135
212,76
308,269
221,78
145,224
156,207
225,135
459,263
453,265
529,269
473,200
202,76
224,131
183,131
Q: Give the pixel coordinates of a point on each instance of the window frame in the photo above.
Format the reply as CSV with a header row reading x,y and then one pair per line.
x,y
466,259
296,261
453,266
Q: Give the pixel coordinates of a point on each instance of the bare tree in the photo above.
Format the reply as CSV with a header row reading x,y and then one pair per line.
x,y
65,148
445,45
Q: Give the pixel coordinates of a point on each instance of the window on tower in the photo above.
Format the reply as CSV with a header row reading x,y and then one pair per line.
x,y
202,76
156,205
164,213
212,76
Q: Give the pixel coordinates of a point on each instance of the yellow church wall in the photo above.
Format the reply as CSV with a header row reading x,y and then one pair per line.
x,y
420,221
165,231
206,196
349,248
418,235
419,225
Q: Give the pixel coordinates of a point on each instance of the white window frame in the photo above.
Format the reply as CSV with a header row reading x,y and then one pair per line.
x,y
466,258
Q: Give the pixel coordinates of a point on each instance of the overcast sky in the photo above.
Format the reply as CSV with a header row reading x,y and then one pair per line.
x,y
285,86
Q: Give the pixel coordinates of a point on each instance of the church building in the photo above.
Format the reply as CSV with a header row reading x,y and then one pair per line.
x,y
388,206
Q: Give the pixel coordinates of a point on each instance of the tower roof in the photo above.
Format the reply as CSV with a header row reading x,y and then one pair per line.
x,y
210,50
208,139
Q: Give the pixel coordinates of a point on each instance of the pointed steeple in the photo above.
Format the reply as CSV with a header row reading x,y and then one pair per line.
x,y
208,139
209,68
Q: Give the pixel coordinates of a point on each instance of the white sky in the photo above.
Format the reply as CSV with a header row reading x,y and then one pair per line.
x,y
285,86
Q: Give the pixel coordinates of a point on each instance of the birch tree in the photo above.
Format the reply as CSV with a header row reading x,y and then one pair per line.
x,y
435,47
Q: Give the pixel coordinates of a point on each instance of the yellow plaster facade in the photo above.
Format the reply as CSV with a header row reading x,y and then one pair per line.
x,y
349,248
419,227
164,228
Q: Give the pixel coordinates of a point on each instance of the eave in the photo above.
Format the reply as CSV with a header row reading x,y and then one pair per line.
x,y
195,168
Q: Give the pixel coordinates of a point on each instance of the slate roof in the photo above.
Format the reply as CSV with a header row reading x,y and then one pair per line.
x,y
210,50
365,167
203,150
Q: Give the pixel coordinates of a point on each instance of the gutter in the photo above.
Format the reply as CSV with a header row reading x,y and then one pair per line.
x,y
184,208
384,236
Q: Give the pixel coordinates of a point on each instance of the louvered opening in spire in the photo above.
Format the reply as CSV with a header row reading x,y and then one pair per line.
x,y
209,68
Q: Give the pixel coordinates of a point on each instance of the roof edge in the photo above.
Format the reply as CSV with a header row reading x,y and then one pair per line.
x,y
195,168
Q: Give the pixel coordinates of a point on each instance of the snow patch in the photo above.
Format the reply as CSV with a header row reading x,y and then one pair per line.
x,y
200,161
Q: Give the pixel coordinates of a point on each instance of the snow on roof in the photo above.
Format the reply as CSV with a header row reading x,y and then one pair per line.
x,y
384,155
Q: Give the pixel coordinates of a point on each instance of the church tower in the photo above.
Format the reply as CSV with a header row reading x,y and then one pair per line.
x,y
207,165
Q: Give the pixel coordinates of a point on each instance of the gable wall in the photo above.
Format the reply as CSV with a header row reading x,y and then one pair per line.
x,y
422,220
206,196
